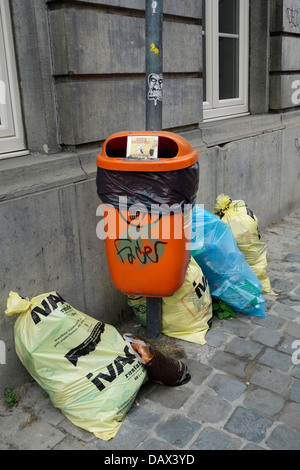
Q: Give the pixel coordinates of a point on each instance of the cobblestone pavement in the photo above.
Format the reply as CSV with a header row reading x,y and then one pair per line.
x,y
244,391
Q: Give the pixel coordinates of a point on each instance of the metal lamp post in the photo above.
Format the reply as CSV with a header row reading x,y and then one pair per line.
x,y
154,96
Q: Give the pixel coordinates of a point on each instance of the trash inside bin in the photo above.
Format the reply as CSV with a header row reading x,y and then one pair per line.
x,y
148,183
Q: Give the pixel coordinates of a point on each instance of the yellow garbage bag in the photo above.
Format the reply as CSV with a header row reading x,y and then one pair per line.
x,y
187,313
244,226
85,365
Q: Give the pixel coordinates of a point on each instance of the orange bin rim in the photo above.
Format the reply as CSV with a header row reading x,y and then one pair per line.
x,y
185,154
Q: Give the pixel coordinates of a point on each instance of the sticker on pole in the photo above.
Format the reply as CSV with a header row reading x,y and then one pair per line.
x,y
155,91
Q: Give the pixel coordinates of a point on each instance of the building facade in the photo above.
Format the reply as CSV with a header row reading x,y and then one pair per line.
x,y
72,72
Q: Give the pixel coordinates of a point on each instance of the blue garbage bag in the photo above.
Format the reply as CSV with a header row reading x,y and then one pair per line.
x,y
229,276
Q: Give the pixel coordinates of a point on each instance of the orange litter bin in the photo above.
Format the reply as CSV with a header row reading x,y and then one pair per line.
x,y
148,183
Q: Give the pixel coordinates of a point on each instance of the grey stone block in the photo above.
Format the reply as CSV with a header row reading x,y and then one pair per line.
x,y
285,53
297,292
68,427
243,348
266,336
207,408
296,371
248,424
289,299
295,391
253,447
37,435
236,128
155,444
34,399
182,45
207,162
271,379
281,91
108,101
177,430
233,166
264,402
292,257
47,232
125,439
140,415
237,327
226,387
285,285
287,312
77,32
258,71
71,443
229,364
291,415
286,345
270,322
213,439
199,372
170,397
276,359
191,8
285,16
31,174
80,40
79,119
176,92
284,438
216,338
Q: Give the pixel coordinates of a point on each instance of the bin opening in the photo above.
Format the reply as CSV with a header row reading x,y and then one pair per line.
x,y
117,147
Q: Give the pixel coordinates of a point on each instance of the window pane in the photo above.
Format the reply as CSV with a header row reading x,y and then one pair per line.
x,y
204,66
11,128
2,99
204,50
225,58
228,68
6,119
229,16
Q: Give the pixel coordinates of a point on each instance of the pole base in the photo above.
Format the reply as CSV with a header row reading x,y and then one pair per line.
x,y
154,308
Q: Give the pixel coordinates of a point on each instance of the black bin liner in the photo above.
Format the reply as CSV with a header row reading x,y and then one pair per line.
x,y
176,187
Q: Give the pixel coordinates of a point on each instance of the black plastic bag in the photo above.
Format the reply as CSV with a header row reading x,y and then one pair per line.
x,y
160,367
177,187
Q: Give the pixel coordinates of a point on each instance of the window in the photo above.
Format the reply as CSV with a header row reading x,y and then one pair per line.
x,y
11,130
225,58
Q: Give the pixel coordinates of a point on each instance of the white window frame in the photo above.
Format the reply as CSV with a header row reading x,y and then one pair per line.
x,y
12,142
213,107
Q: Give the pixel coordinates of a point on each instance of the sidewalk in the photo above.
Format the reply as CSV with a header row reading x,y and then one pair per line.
x,y
244,392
